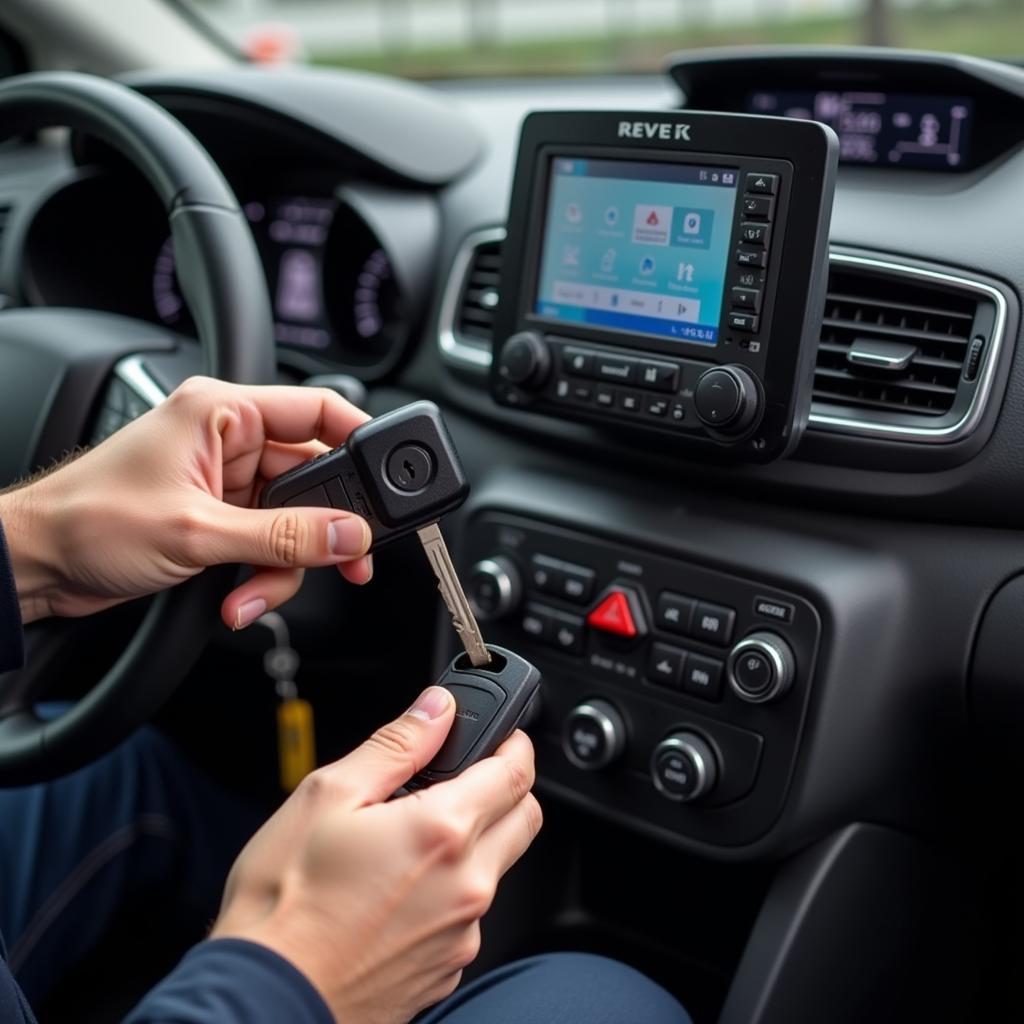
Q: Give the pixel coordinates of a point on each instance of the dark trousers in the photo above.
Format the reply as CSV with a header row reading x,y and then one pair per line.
x,y
73,851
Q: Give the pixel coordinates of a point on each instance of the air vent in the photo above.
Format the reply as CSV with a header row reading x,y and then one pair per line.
x,y
467,313
904,350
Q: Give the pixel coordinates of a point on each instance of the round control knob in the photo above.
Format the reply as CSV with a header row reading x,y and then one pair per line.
x,y
684,767
493,588
727,399
761,668
594,735
525,360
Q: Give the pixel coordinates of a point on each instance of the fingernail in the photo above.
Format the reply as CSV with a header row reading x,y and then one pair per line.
x,y
249,612
432,703
347,536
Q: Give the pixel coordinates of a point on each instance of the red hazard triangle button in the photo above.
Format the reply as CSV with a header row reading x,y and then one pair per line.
x,y
614,615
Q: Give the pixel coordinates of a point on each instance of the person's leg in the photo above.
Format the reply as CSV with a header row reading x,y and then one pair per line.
x,y
73,850
560,988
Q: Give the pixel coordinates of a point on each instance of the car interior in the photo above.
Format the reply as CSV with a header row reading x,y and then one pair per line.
x,y
727,350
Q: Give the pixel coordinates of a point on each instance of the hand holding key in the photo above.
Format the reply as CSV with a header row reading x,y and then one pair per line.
x,y
173,493
378,902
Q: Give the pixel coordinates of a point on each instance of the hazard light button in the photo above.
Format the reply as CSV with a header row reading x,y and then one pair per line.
x,y
620,613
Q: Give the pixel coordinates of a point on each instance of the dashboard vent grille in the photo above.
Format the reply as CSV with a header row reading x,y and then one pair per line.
x,y
474,321
893,345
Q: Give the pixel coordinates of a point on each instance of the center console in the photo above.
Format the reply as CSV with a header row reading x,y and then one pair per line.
x,y
674,693
665,273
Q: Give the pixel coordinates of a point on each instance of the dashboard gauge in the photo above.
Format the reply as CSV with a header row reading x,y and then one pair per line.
x,y
167,300
364,301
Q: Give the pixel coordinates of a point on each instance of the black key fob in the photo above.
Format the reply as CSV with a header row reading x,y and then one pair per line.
x,y
399,471
490,702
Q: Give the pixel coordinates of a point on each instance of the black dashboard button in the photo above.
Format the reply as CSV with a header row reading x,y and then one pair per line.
x,y
713,623
610,368
753,233
770,608
604,396
656,407
582,392
535,622
577,362
718,397
629,401
702,677
759,207
677,413
747,298
674,612
561,579
754,672
762,184
665,665
566,632
751,257
744,322
658,376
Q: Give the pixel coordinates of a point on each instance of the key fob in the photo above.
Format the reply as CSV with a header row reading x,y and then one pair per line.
x,y
490,702
399,471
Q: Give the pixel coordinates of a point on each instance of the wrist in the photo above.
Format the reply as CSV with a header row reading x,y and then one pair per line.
x,y
32,551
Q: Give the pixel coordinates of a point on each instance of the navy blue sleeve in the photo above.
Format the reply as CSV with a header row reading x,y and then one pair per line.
x,y
229,981
12,652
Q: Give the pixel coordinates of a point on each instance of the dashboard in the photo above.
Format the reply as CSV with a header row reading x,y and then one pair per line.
x,y
826,634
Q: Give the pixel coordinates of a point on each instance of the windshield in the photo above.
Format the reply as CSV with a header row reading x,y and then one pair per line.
x,y
495,38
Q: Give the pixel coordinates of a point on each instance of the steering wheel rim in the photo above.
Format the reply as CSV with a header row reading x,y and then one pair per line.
x,y
223,283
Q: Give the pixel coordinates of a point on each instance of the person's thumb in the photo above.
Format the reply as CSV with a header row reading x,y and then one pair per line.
x,y
398,750
284,538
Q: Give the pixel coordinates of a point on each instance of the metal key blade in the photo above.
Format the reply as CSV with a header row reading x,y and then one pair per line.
x,y
454,596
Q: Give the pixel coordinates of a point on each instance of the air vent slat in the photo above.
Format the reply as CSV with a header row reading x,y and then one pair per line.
x,y
474,316
865,306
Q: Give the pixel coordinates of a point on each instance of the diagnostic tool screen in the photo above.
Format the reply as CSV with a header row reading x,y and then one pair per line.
x,y
882,128
637,247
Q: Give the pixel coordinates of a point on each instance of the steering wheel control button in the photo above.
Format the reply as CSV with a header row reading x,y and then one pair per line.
x,y
761,668
577,362
493,588
410,468
713,623
619,613
665,665
683,767
770,608
525,359
702,677
762,184
674,612
594,735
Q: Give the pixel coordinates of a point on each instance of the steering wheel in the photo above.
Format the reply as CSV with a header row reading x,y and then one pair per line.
x,y
61,365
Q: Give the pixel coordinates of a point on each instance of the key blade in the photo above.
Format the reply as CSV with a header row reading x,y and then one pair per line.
x,y
454,596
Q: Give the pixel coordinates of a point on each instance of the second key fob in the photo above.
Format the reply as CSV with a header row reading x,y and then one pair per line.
x,y
490,702
399,471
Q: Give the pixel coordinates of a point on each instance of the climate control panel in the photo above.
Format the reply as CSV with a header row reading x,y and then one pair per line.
x,y
674,693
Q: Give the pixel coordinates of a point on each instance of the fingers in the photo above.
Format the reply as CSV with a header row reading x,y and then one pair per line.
x,y
303,414
508,839
279,458
398,750
283,538
359,571
264,591
490,789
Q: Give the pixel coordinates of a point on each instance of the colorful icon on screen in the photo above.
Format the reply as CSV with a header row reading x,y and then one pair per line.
x,y
647,265
611,216
571,256
573,213
608,261
691,223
